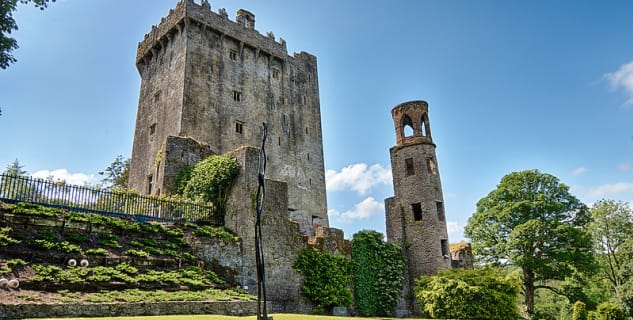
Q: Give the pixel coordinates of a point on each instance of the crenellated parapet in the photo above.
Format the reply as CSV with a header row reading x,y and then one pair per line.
x,y
188,12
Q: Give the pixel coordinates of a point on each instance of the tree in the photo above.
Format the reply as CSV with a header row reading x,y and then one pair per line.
x,y
611,227
469,294
378,273
532,221
8,25
116,175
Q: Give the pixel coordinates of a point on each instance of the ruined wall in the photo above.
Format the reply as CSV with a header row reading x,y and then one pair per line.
x,y
282,239
231,79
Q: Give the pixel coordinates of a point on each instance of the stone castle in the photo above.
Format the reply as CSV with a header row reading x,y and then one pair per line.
x,y
208,83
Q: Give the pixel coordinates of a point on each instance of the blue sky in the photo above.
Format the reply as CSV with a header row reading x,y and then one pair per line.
x,y
511,85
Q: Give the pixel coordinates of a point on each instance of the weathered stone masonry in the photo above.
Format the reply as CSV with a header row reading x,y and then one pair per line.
x,y
415,215
212,81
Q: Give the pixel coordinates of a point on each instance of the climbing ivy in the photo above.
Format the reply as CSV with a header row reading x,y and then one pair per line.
x,y
325,278
211,178
378,273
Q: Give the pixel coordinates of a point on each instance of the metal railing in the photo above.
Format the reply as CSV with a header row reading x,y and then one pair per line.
x,y
104,201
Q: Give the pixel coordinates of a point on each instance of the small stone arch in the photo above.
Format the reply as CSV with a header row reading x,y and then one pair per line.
x,y
407,126
425,128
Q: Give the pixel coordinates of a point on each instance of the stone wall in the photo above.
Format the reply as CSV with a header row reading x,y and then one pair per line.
x,y
68,310
282,237
216,81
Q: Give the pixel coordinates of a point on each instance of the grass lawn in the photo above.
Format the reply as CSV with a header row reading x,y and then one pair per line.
x,y
215,317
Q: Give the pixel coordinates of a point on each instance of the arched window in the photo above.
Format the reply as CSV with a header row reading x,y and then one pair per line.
x,y
407,126
425,125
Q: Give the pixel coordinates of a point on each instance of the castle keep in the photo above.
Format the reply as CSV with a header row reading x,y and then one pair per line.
x,y
208,84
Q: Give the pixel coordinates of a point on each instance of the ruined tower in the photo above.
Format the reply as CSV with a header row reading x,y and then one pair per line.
x,y
415,215
208,84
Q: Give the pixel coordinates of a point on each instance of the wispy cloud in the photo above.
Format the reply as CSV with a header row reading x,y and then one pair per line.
x,y
455,231
623,79
624,167
579,171
617,191
358,177
63,175
365,209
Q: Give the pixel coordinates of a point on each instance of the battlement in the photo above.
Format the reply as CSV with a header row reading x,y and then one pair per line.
x,y
188,11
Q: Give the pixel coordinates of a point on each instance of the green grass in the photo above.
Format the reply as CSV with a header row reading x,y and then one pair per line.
x,y
216,317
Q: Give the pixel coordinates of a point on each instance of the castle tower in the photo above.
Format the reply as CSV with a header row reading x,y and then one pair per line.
x,y
207,85
415,215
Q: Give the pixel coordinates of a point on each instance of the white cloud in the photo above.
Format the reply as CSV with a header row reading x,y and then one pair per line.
x,y
358,177
365,209
624,167
63,175
579,171
623,78
617,191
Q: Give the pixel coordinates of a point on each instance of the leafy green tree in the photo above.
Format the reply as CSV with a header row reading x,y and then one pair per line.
x,y
14,184
611,227
8,25
378,273
469,294
116,175
326,278
532,221
610,311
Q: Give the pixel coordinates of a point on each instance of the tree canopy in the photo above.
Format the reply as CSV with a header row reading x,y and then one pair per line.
x,y
8,25
531,220
117,173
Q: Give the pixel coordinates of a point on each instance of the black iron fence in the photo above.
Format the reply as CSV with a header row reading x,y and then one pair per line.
x,y
103,201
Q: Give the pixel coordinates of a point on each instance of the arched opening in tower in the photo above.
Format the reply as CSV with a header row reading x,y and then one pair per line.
x,y
425,126
407,126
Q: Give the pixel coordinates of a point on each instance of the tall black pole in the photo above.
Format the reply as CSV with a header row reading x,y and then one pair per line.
x,y
262,312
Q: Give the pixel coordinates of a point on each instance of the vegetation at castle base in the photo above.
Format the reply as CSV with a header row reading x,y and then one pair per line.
x,y
326,278
378,270
579,311
5,239
532,221
211,178
217,233
469,294
126,273
8,25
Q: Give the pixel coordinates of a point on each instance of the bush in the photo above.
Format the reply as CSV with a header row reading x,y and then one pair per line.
x,y
378,273
211,178
325,278
5,239
610,311
468,294
580,311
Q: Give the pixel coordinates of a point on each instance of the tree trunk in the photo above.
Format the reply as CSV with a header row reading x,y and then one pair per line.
x,y
528,284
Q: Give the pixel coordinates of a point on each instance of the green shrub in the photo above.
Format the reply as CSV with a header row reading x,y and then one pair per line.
x,y
220,233
5,239
211,178
137,253
468,294
109,240
183,177
16,262
34,210
325,278
97,252
46,235
148,242
610,311
77,238
67,247
135,244
579,311
378,273
41,244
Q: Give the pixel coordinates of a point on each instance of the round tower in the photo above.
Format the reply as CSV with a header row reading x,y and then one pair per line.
x,y
415,215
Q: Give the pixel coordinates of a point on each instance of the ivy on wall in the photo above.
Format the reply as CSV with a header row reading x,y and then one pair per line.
x,y
209,179
326,278
378,273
